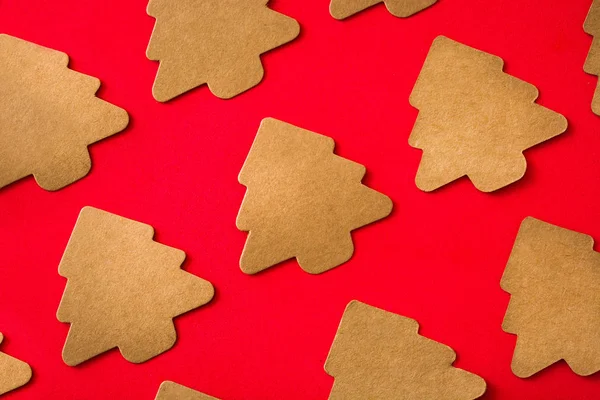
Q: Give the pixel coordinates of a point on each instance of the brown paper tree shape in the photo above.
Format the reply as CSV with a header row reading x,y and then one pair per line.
x,y
173,391
474,119
13,373
217,42
49,116
553,277
302,201
592,63
123,289
341,9
379,355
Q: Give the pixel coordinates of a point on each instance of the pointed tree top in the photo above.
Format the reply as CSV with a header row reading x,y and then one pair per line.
x,y
174,391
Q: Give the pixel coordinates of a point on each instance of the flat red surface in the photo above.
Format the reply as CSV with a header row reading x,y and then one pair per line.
x,y
438,258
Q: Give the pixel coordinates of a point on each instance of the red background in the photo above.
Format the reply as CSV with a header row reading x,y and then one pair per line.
x,y
438,258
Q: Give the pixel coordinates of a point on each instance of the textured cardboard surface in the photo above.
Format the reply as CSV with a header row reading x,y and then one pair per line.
x,y
49,116
123,289
341,9
592,63
302,200
217,42
174,391
380,355
13,373
553,276
266,337
474,119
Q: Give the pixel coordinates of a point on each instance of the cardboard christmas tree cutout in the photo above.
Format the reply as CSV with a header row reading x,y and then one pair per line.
x,y
49,116
553,277
474,119
380,355
592,63
302,201
123,289
341,9
217,42
173,391
13,373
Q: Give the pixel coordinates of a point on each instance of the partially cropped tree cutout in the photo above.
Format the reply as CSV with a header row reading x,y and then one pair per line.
x,y
302,200
123,289
217,42
592,63
474,119
380,355
553,277
341,9
49,116
173,391
13,373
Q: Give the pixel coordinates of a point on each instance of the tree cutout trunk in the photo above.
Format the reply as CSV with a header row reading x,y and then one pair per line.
x,y
173,391
123,289
302,200
341,9
553,277
592,63
50,115
13,373
217,42
474,119
380,355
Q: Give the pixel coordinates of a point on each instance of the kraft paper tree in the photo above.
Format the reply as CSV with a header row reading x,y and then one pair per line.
x,y
49,116
592,63
173,391
302,200
341,9
379,355
474,119
13,373
217,42
553,277
123,289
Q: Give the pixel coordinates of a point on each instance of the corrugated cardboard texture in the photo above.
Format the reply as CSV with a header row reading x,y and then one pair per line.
x,y
380,355
592,63
123,289
302,200
553,276
341,9
218,42
49,116
474,119
13,373
173,391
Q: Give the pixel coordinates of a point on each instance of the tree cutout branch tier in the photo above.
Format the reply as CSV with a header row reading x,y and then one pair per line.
x,y
13,373
123,289
341,9
217,42
474,119
592,63
49,116
379,355
302,201
553,277
174,391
